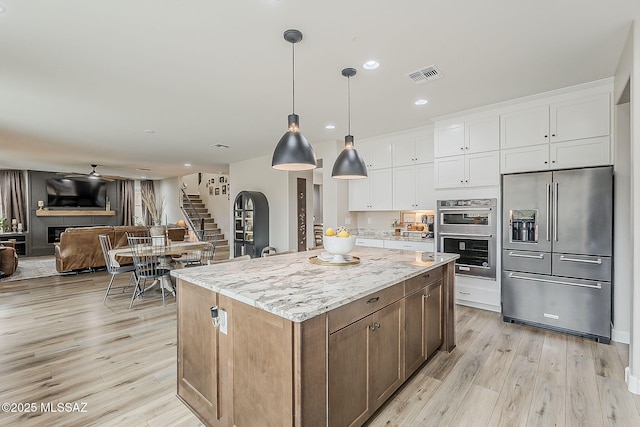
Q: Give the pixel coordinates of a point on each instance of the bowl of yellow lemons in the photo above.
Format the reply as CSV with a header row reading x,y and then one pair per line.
x,y
338,243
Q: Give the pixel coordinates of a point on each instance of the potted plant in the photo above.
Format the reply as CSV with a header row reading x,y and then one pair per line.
x,y
155,211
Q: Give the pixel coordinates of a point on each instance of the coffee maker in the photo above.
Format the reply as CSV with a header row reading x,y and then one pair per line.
x,y
428,221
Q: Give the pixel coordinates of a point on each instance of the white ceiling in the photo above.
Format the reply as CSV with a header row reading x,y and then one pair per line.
x,y
81,80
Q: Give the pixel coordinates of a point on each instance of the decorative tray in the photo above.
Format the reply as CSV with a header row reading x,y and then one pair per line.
x,y
319,261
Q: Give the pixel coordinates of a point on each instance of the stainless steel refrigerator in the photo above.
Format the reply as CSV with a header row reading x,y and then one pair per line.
x,y
557,245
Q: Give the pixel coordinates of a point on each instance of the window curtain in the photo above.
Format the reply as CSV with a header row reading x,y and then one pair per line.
x,y
127,202
13,188
147,185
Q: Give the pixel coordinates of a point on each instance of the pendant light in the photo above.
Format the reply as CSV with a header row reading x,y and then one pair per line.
x,y
293,152
349,164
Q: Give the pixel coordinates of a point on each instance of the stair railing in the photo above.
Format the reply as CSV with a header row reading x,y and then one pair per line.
x,y
194,219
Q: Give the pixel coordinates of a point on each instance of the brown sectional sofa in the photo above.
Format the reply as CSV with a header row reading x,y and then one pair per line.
x,y
79,247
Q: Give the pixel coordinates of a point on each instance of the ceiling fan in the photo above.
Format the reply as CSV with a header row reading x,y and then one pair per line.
x,y
91,175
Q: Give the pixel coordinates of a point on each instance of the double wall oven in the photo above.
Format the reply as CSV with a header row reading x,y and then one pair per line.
x,y
468,228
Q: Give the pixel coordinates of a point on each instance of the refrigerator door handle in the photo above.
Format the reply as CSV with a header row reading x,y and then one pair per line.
x,y
555,213
557,282
515,255
586,261
548,223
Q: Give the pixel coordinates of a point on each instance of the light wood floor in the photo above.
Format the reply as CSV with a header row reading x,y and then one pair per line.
x,y
59,343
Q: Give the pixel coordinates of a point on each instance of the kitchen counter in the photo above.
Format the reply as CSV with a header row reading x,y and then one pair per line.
x,y
281,341
293,288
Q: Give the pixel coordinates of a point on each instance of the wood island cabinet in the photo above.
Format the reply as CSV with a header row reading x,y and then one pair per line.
x,y
333,369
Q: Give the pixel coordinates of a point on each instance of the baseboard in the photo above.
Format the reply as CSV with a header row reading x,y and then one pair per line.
x,y
633,382
481,306
620,336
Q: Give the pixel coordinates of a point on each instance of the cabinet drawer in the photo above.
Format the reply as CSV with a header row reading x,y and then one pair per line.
x,y
418,282
582,266
478,295
353,311
372,243
408,245
532,262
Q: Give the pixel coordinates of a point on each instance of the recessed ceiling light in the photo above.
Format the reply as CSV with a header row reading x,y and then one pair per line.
x,y
187,165
330,127
371,65
421,102
149,131
143,177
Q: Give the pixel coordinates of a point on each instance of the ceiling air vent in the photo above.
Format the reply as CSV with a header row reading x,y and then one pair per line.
x,y
426,74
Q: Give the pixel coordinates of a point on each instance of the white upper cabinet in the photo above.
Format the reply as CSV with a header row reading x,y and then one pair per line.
x,y
581,118
469,170
482,135
373,193
376,153
413,148
525,127
571,119
413,187
448,140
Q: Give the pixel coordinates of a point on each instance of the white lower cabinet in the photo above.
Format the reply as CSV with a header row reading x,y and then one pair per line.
x,y
371,243
469,170
408,245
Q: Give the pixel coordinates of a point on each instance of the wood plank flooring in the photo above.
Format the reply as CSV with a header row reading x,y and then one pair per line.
x,y
60,344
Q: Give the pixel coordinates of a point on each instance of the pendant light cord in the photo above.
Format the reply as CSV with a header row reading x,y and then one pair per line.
x,y
293,77
349,101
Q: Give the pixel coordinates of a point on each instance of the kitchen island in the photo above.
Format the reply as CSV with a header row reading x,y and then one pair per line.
x,y
296,343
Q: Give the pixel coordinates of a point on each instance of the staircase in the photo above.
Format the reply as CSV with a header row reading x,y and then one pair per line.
x,y
198,212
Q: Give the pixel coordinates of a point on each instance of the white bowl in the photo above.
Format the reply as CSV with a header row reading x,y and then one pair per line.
x,y
338,246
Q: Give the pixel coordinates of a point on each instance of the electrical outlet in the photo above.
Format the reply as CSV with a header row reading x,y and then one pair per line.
x,y
347,221
223,321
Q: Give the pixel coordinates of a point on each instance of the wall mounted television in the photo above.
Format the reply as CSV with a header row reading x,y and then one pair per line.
x,y
76,193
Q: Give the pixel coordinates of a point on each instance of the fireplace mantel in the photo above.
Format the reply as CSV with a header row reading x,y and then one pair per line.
x,y
74,213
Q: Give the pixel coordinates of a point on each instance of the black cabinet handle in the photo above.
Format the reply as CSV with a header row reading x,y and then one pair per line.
x,y
372,300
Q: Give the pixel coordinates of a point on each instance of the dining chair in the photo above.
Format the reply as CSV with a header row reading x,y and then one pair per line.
x,y
209,251
112,268
146,260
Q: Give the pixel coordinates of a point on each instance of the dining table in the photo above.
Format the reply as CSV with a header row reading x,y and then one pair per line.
x,y
164,254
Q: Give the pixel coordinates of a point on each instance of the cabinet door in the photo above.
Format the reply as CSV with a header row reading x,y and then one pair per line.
x,y
385,353
424,146
448,140
580,118
580,153
403,151
197,351
433,318
533,158
449,172
348,374
380,189
425,194
482,169
482,135
377,154
404,188
359,194
414,345
525,127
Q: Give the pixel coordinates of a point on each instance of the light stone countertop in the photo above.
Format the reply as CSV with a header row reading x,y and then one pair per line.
x,y
291,287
